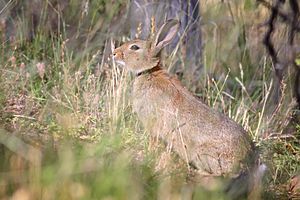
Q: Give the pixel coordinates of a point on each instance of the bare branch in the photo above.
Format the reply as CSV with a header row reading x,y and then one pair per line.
x,y
295,9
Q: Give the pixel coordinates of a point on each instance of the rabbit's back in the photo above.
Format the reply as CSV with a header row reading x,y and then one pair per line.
x,y
208,140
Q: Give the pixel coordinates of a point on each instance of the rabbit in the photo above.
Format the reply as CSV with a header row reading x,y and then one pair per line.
x,y
208,141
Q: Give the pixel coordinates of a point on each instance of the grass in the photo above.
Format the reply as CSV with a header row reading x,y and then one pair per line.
x,y
67,129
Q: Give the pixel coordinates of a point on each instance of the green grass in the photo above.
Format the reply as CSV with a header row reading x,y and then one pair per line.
x,y
79,137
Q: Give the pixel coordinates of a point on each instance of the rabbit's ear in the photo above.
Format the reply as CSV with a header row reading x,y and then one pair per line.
x,y
164,36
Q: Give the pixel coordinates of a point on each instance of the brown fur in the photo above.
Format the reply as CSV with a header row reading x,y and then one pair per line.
x,y
204,138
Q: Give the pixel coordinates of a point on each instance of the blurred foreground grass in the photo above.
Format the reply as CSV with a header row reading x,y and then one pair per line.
x,y
67,127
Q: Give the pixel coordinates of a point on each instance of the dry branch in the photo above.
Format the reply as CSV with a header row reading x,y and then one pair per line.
x,y
291,19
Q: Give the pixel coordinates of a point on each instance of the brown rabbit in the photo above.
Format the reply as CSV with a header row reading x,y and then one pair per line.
x,y
207,140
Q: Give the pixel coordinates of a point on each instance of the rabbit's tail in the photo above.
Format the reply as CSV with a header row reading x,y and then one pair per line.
x,y
248,184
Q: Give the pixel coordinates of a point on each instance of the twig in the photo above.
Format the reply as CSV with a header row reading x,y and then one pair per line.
x,y
6,6
25,117
295,8
284,16
267,38
276,136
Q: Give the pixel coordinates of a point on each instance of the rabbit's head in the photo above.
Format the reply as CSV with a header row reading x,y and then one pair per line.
x,y
141,55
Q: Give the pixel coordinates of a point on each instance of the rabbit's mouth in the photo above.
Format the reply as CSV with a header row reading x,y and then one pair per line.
x,y
118,58
120,62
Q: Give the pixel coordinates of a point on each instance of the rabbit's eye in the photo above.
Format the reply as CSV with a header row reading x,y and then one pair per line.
x,y
134,47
